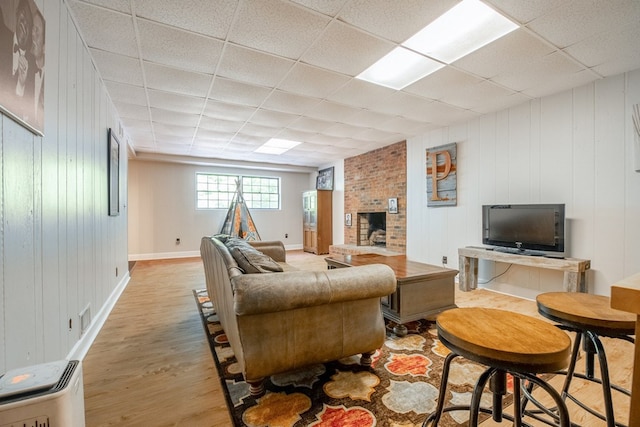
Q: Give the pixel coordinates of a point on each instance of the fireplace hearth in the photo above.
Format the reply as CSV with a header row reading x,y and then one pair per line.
x,y
372,229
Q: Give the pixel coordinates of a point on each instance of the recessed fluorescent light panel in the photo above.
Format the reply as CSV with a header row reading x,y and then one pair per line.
x,y
466,27
399,68
276,146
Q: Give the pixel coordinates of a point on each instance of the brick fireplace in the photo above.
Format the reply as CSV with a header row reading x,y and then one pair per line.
x,y
370,180
372,229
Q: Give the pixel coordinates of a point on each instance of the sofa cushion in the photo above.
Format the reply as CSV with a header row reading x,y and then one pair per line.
x,y
250,259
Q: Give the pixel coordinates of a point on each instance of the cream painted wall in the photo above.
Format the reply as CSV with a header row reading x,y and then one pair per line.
x,y
574,148
162,208
59,252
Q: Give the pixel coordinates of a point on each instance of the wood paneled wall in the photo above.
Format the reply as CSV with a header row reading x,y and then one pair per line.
x,y
60,250
574,147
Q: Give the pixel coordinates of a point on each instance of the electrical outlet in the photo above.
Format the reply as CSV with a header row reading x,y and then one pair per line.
x,y
177,240
444,259
286,235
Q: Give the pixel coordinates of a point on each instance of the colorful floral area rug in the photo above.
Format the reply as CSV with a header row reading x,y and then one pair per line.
x,y
400,389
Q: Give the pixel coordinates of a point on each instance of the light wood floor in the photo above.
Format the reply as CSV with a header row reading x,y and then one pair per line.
x,y
151,365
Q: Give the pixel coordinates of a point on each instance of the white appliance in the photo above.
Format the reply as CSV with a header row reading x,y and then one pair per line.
x,y
46,395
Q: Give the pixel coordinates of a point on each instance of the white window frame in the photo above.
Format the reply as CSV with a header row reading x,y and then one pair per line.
x,y
216,191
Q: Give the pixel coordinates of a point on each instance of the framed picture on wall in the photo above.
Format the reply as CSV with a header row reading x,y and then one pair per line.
x,y
324,181
393,205
113,171
22,59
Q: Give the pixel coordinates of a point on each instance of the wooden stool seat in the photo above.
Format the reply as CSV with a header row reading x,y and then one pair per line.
x,y
586,311
504,339
506,342
589,316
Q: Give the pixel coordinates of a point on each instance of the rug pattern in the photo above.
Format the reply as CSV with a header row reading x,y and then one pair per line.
x,y
399,390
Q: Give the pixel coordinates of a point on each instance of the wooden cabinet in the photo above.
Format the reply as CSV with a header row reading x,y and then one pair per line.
x,y
317,234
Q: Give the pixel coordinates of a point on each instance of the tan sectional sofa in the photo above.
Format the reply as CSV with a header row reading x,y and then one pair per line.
x,y
280,321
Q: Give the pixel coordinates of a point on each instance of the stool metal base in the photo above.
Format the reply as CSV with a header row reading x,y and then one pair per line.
x,y
557,416
593,347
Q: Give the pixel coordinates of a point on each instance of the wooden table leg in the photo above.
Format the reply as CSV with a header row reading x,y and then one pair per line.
x,y
468,279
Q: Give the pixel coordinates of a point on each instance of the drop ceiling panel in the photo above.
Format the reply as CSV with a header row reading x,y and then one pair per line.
x,y
367,118
194,15
223,110
273,118
312,81
219,125
132,111
251,66
524,11
224,133
118,5
331,111
258,130
287,102
397,20
139,128
576,20
174,118
175,140
596,52
118,68
512,53
176,81
291,28
437,112
109,30
177,48
309,124
541,77
405,105
341,130
346,50
361,94
402,125
173,130
327,7
238,93
175,102
286,68
126,93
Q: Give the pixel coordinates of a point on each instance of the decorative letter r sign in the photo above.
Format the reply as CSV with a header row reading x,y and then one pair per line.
x,y
441,175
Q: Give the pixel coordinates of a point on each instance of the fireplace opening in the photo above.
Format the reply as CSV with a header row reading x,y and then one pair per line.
x,y
372,229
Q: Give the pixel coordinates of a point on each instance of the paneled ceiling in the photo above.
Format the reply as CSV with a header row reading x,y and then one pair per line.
x,y
216,79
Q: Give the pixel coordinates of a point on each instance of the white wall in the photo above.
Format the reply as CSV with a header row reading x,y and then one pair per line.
x,y
162,208
59,249
574,148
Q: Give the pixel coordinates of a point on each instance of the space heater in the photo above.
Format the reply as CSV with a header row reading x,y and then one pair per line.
x,y
46,395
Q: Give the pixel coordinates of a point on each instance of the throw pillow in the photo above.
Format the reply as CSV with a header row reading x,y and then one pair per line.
x,y
254,261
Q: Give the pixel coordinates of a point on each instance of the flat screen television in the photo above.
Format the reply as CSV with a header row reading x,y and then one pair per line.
x,y
529,229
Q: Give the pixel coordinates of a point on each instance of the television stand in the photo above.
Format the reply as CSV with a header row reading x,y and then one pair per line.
x,y
574,269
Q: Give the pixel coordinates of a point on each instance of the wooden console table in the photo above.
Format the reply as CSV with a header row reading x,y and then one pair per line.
x,y
625,295
574,269
423,289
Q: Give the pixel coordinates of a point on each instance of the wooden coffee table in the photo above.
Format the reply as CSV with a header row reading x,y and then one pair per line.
x,y
423,289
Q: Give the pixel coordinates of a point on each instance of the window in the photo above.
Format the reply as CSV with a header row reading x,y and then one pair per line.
x,y
215,191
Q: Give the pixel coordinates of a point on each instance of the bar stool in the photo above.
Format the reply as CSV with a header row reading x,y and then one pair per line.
x,y
506,342
590,317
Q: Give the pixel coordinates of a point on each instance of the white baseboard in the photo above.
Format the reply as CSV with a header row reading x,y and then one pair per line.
x,y
163,255
81,348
